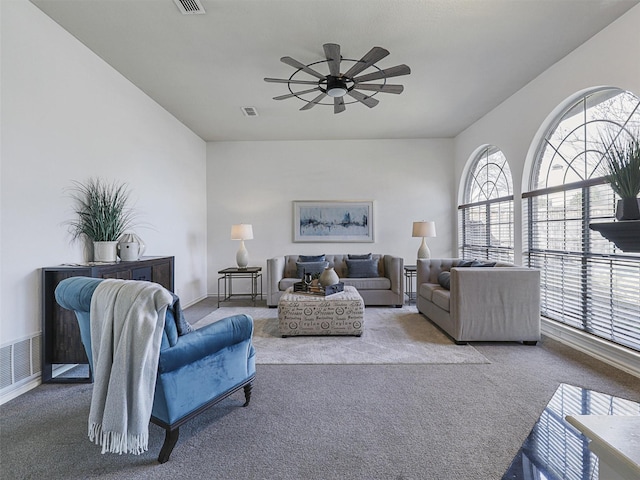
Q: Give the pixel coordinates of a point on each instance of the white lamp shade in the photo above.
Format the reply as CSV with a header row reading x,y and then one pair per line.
x,y
243,231
424,229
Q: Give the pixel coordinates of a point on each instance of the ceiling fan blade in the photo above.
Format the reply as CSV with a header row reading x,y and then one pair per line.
x,y
296,64
289,95
338,105
386,88
362,98
372,56
314,102
332,52
297,82
396,71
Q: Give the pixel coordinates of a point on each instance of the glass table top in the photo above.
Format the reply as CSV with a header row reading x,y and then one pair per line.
x,y
556,450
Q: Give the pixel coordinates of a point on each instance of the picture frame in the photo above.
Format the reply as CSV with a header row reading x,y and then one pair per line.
x,y
336,221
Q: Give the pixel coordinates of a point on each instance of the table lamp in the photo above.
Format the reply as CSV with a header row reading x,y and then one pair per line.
x,y
424,229
242,232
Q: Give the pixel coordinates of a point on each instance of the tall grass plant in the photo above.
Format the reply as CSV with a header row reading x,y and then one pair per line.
x,y
102,210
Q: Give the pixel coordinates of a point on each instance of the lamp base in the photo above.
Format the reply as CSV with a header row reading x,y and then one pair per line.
x,y
423,251
242,257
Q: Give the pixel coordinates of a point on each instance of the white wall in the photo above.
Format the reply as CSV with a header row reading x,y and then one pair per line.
x,y
67,115
612,58
256,182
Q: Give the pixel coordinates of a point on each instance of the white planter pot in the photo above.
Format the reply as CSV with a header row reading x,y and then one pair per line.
x,y
105,252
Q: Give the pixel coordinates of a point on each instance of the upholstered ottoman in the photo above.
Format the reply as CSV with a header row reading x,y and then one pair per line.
x,y
338,314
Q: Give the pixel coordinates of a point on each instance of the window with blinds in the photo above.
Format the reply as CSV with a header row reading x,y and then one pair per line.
x,y
586,281
485,220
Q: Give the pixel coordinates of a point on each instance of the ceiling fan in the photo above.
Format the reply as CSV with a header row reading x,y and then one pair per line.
x,y
336,84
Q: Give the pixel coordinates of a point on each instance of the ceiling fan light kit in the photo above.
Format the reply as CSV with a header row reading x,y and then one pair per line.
x,y
338,85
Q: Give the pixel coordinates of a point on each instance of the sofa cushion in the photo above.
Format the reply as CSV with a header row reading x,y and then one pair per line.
x,y
312,258
444,279
426,290
373,283
362,268
366,256
441,298
310,267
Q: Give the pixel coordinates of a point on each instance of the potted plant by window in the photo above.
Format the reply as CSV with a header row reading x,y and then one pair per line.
x,y
621,168
103,214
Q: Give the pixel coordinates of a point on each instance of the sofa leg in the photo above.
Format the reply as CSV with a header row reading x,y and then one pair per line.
x,y
247,393
170,440
533,343
398,306
460,342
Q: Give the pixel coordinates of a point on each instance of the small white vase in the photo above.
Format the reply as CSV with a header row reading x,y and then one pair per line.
x,y
105,252
328,277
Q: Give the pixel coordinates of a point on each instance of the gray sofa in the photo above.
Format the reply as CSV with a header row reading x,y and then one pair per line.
x,y
387,288
498,303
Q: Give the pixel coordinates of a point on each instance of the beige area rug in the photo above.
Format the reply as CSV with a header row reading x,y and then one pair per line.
x,y
391,336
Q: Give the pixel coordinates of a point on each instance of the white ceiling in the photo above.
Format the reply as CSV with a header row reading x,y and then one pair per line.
x,y
466,57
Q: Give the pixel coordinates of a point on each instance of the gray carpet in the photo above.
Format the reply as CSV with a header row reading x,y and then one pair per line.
x,y
391,336
324,422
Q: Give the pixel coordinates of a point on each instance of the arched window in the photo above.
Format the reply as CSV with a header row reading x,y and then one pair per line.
x,y
486,217
586,282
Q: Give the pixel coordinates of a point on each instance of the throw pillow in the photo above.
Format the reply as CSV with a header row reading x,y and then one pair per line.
x,y
310,267
475,263
444,279
465,263
311,258
182,325
362,268
478,263
366,256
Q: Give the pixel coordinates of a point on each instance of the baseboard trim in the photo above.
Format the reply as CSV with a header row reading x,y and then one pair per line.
x,y
620,357
199,299
18,389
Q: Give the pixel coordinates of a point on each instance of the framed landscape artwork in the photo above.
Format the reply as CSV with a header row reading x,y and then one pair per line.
x,y
334,221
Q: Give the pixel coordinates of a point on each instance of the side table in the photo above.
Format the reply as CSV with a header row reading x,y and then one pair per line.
x,y
228,275
410,272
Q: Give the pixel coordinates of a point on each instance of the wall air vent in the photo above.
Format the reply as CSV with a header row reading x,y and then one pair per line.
x,y
190,7
250,111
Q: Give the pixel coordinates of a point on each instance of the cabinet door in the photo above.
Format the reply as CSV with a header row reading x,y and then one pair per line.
x,y
61,342
142,273
163,274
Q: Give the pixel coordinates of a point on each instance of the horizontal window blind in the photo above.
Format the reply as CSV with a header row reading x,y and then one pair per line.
x,y
586,281
486,230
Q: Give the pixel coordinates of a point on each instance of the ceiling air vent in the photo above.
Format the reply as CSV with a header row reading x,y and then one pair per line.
x,y
250,111
190,7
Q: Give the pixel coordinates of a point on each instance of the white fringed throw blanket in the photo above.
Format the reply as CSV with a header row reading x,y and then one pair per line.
x,y
127,321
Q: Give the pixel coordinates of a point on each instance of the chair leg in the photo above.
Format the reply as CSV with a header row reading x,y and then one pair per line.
x,y
170,440
247,393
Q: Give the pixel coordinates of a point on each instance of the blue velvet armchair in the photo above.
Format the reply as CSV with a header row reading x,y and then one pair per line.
x,y
195,370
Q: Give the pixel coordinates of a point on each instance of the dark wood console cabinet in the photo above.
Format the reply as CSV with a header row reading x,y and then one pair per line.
x,y
61,344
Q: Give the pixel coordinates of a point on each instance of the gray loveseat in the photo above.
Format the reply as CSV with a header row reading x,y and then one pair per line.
x,y
386,288
497,303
